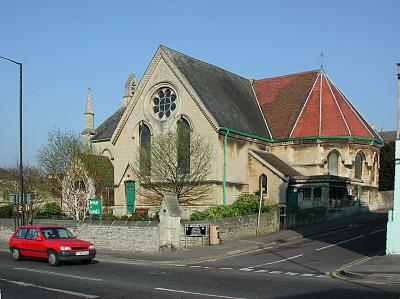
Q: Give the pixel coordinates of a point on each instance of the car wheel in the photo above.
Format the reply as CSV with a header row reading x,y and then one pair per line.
x,y
16,254
85,262
53,258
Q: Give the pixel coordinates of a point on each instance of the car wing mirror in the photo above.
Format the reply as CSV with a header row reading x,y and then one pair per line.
x,y
39,238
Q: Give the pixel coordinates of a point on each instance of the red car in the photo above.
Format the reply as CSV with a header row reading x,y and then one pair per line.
x,y
54,243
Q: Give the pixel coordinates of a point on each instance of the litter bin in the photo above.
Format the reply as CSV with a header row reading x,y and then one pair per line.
x,y
214,235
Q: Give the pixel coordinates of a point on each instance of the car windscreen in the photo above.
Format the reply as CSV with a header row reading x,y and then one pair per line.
x,y
57,233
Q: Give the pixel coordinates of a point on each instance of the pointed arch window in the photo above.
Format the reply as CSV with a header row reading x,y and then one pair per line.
x,y
374,169
333,163
79,186
183,146
263,184
145,142
359,165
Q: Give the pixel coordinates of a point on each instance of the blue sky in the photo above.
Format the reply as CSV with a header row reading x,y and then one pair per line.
x,y
67,46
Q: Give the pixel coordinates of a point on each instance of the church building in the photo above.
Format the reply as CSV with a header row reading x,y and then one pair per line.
x,y
297,136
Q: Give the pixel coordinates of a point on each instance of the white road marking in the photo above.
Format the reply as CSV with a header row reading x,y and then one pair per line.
x,y
325,247
194,293
377,231
246,269
307,274
275,262
32,285
261,271
291,273
195,266
275,272
226,268
58,274
180,265
322,276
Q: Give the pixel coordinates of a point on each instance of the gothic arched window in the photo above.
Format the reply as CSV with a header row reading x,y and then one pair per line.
x,y
359,165
263,184
374,169
145,142
333,163
79,186
183,146
144,136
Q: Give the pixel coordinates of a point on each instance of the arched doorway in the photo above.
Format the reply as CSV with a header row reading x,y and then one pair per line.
x,y
130,194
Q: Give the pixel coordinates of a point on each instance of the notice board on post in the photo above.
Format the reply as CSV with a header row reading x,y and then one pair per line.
x,y
195,230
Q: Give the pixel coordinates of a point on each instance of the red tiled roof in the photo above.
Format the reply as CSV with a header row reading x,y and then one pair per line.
x,y
308,104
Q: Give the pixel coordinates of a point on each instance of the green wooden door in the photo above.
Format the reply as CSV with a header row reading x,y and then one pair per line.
x,y
293,199
130,196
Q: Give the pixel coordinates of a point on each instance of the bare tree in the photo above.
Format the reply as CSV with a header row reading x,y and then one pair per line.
x,y
77,188
175,162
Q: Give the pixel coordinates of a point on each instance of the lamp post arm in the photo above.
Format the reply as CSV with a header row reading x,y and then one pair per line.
x,y
13,61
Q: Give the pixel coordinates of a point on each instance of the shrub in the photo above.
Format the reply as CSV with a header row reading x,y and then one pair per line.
x,y
245,204
6,211
51,209
134,217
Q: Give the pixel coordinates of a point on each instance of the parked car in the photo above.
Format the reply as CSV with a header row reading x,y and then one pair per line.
x,y
54,243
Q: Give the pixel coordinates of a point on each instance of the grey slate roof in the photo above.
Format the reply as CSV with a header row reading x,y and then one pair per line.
x,y
106,129
277,163
388,135
227,96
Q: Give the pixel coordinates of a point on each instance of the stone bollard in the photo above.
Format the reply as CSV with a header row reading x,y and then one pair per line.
x,y
170,222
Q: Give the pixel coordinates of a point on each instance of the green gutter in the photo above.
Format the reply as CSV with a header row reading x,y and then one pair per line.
x,y
298,139
225,154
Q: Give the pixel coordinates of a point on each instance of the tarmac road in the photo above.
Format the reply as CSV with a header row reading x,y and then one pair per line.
x,y
295,271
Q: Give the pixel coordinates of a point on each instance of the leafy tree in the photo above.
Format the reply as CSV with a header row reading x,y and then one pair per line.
x,y
75,171
35,184
176,162
387,163
55,156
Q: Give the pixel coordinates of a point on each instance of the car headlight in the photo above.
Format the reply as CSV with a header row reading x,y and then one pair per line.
x,y
92,247
65,248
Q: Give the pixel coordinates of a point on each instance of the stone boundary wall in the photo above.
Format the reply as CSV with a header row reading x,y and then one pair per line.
x,y
305,217
385,200
117,235
234,228
145,235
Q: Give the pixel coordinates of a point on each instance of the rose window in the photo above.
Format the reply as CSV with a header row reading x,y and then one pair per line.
x,y
164,102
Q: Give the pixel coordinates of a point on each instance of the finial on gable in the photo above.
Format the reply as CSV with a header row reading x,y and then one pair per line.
x,y
130,88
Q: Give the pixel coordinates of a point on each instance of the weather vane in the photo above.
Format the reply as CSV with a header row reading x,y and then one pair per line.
x,y
322,59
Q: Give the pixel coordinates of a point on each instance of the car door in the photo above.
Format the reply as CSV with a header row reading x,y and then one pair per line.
x,y
34,243
18,241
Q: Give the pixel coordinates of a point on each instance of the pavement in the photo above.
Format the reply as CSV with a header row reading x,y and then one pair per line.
x,y
378,268
236,247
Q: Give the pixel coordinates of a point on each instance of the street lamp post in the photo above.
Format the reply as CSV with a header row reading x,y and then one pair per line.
x,y
21,173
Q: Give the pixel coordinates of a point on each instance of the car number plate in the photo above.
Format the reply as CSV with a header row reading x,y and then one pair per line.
x,y
82,253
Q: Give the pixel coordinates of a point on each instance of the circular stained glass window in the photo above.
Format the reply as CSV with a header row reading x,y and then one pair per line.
x,y
164,102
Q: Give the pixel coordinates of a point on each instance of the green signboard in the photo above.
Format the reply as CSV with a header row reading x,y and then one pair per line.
x,y
95,206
